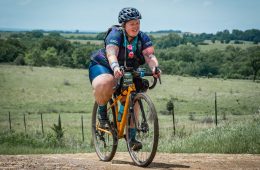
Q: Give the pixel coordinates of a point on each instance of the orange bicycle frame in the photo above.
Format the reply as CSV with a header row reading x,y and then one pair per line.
x,y
121,125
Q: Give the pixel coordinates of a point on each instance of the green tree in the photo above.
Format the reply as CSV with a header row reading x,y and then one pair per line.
x,y
187,53
10,49
213,40
79,57
34,57
65,59
237,34
254,56
56,41
209,62
169,67
50,57
54,34
35,34
101,36
19,60
171,40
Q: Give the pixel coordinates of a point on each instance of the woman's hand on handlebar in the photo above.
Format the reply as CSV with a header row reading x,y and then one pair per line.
x,y
156,72
118,73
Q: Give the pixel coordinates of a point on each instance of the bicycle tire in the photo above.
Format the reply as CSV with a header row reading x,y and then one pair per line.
x,y
105,144
147,130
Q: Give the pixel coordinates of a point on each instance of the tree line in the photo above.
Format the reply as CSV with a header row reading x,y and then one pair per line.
x,y
178,53
36,49
232,62
175,39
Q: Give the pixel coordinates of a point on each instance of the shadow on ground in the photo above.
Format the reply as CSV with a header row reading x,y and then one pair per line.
x,y
153,165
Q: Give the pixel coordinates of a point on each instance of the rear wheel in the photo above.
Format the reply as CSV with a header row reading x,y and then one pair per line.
x,y
105,143
144,119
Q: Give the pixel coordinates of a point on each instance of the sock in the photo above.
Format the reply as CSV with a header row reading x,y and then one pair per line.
x,y
132,133
120,112
102,110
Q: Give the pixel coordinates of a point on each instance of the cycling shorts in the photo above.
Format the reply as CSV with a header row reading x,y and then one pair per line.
x,y
96,70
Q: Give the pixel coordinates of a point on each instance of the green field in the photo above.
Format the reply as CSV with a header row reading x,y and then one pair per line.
x,y
222,46
96,42
67,35
29,91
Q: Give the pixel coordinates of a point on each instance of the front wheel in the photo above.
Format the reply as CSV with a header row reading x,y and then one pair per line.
x,y
143,119
105,142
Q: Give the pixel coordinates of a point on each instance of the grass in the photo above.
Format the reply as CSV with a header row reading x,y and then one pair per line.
x,y
31,91
222,46
197,95
47,90
96,42
242,137
54,90
22,143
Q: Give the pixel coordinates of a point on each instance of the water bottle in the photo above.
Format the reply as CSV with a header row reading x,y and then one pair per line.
x,y
141,71
120,112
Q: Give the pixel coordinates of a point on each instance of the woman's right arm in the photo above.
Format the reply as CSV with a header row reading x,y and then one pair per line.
x,y
112,53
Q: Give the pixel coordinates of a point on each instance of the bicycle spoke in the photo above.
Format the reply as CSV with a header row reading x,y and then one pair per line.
x,y
146,124
104,142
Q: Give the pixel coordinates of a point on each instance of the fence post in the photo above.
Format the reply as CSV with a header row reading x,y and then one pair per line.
x,y
82,129
24,122
216,110
10,126
170,108
173,120
42,125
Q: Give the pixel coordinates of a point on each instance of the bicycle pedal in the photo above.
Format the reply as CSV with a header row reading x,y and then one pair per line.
x,y
104,126
137,148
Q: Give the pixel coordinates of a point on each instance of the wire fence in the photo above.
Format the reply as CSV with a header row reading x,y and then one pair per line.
x,y
74,125
78,125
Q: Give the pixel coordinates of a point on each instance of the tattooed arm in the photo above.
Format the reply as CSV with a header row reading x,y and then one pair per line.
x,y
150,58
112,53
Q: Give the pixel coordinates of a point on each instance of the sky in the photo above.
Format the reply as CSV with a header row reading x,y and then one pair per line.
x,y
195,16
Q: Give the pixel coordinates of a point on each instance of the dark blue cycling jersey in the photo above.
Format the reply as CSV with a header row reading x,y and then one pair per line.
x,y
129,52
141,42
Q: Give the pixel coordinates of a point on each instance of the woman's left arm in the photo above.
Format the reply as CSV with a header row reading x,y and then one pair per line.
x,y
150,59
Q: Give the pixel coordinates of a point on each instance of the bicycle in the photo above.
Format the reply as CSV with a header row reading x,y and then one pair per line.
x,y
139,112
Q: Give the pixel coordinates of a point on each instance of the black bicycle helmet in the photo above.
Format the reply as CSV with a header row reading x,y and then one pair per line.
x,y
127,14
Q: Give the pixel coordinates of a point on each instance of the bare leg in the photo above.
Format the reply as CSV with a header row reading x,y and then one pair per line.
x,y
103,88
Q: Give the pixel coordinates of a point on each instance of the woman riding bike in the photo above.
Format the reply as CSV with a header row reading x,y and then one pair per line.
x,y
127,46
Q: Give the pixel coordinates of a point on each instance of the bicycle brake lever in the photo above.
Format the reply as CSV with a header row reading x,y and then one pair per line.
x,y
157,70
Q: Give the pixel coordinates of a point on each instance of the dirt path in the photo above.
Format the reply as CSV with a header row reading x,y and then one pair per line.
x,y
123,161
